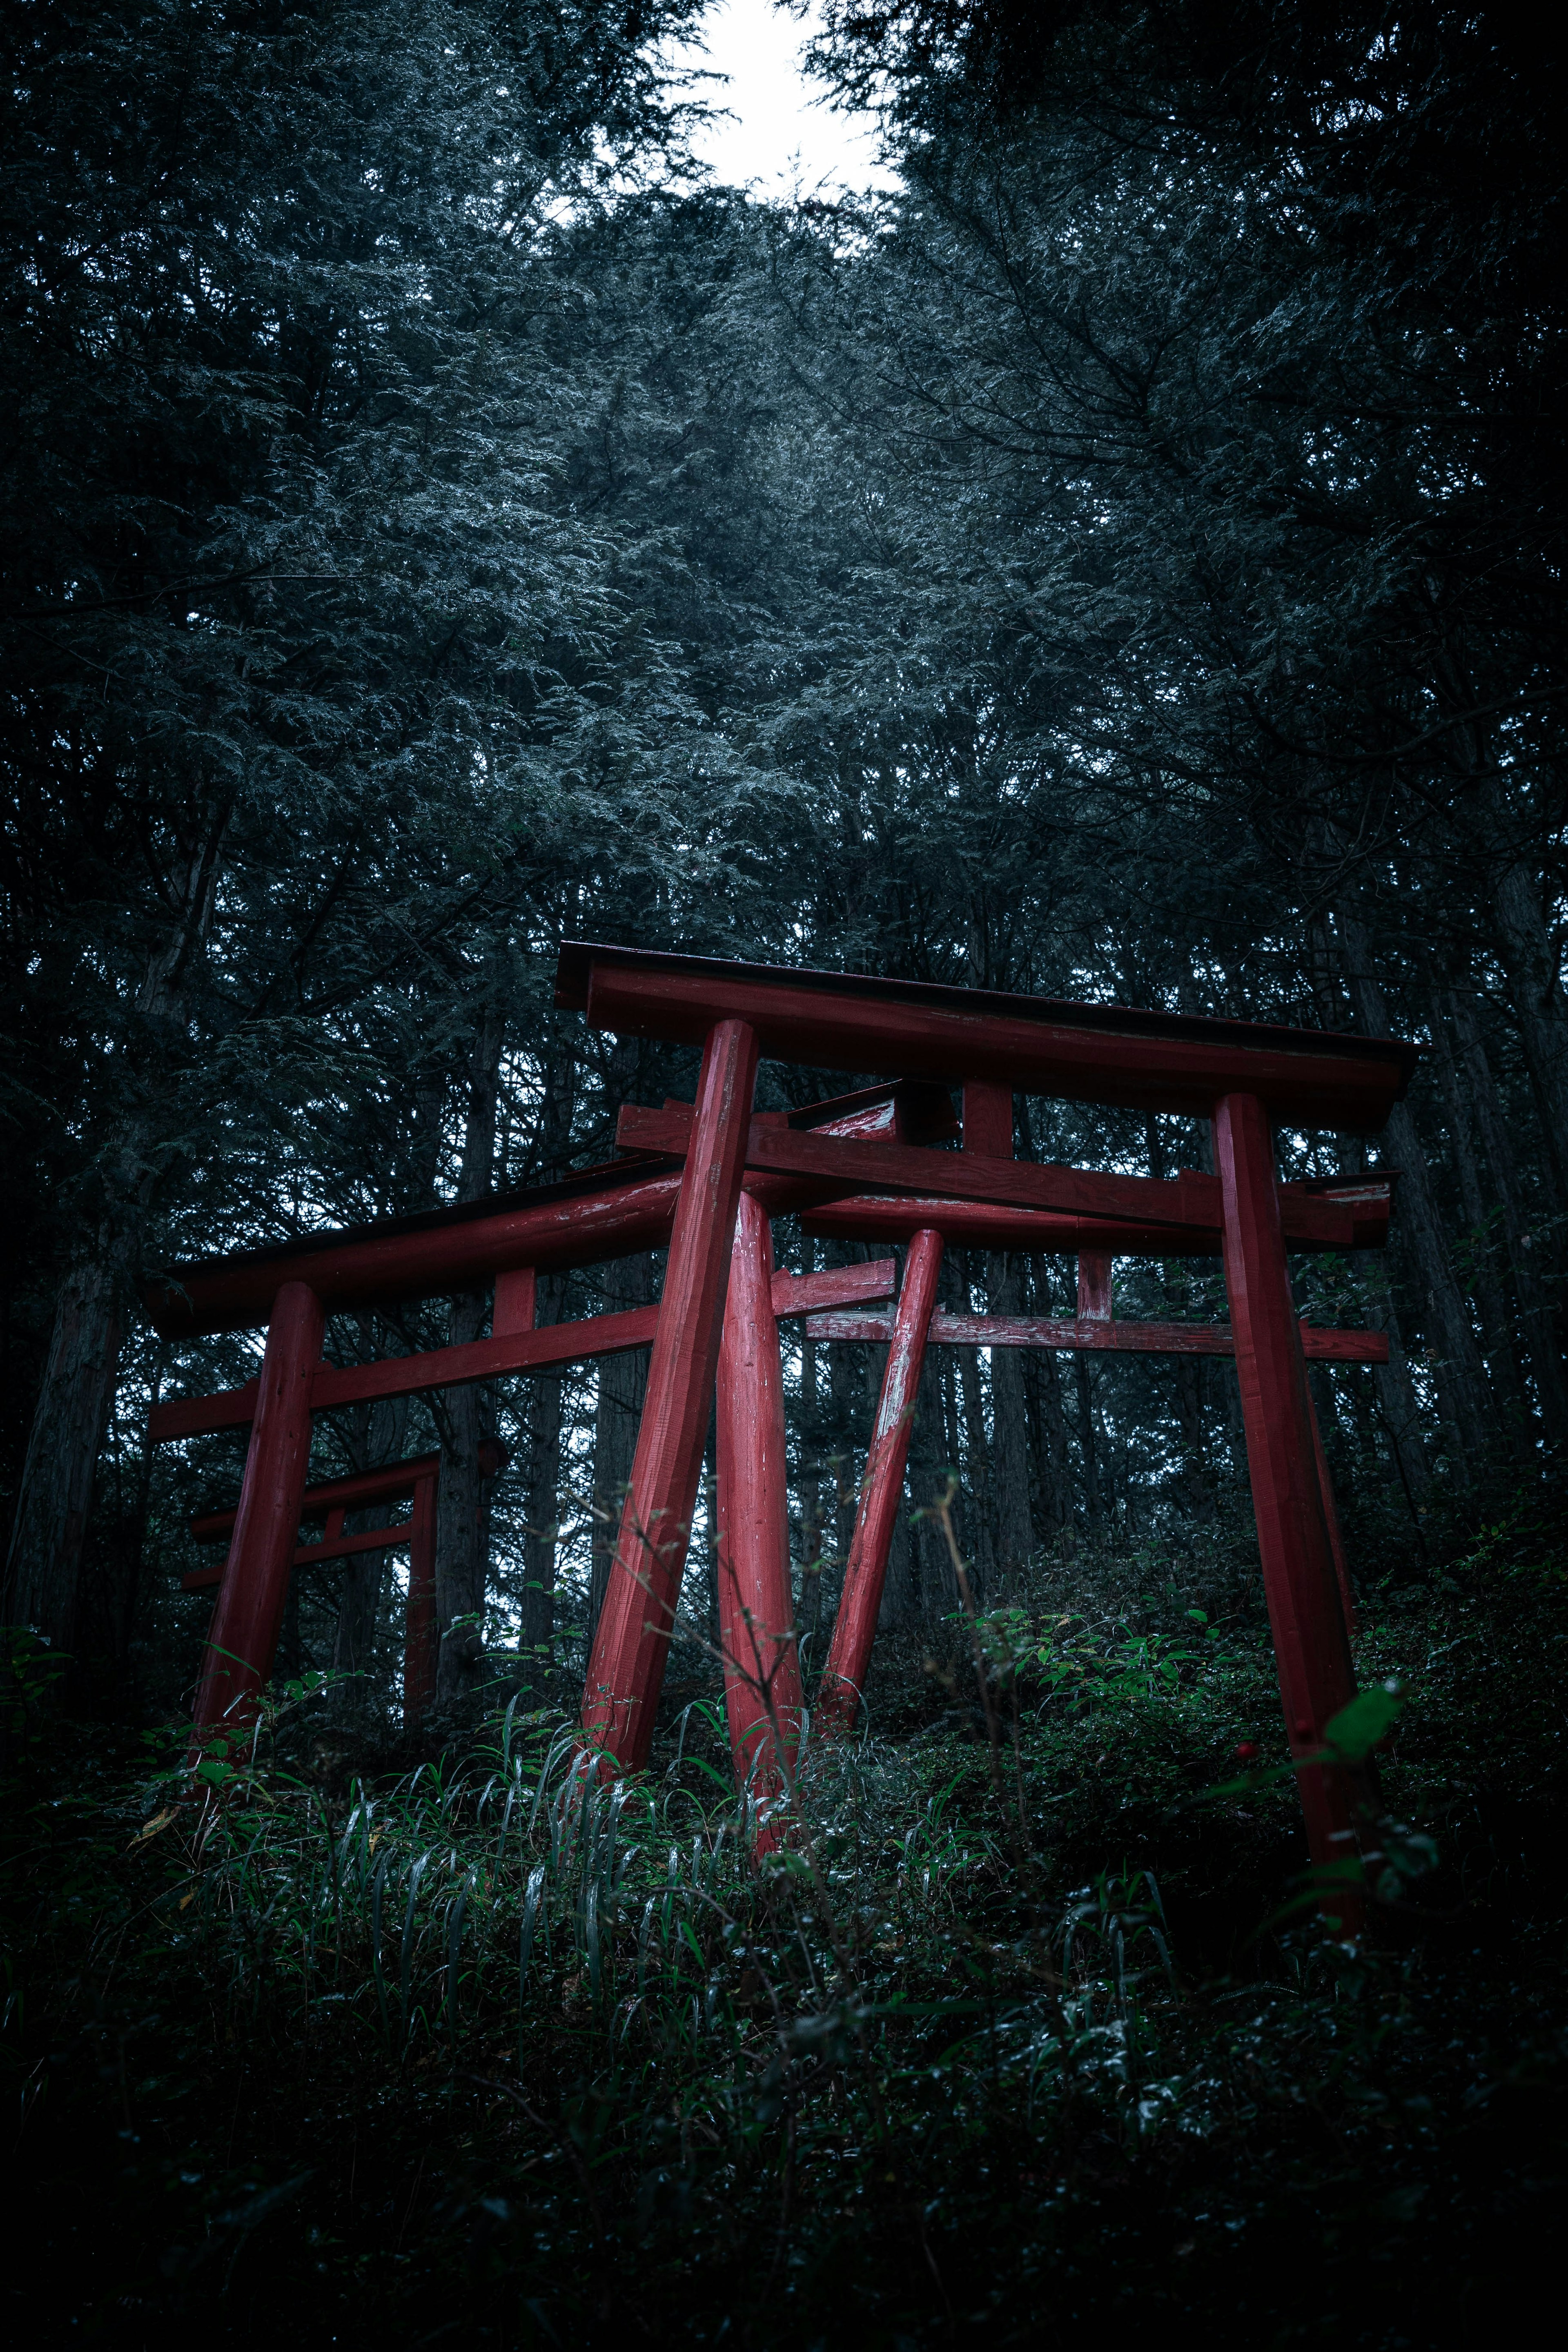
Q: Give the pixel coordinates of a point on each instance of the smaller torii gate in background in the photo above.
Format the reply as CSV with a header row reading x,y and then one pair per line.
x,y
416,1482
707,1178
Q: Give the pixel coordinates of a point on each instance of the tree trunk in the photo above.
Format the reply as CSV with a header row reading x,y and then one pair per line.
x,y
1191,1394
1530,956
544,1503
1537,1313
929,1459
375,1434
1497,1323
623,1383
1400,1405
1461,1380
979,1547
1089,1452
1012,1523
55,1501
462,1520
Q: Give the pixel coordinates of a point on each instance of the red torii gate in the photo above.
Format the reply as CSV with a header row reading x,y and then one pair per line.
x,y
416,1482
1242,1076
870,1156
600,1214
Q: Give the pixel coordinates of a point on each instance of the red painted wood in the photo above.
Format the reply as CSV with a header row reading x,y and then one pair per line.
x,y
513,1306
421,1635
338,1547
836,1285
756,1611
1102,1336
243,1637
1094,1301
988,1119
907,1110
982,1224
882,1491
1159,1062
1311,1646
627,1669
386,1484
1331,1520
1179,1202
580,1224
442,1368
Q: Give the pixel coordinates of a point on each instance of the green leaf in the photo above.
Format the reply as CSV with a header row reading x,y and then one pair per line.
x,y
1355,1731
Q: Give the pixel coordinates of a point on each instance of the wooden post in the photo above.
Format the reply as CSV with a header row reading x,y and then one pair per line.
x,y
988,1119
515,1297
856,1627
243,1638
638,1617
421,1636
1311,1647
756,1613
1094,1294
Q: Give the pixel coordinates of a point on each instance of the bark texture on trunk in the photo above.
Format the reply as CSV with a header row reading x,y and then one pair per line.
x,y
375,1434
1089,1449
55,1500
1531,957
1013,1524
462,1518
930,1572
623,1383
539,1545
1497,1334
1460,1378
1537,1311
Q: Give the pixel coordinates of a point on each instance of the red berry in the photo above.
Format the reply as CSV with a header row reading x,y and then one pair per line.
x,y
1246,1752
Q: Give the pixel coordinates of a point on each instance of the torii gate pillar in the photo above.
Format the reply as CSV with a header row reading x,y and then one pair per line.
x,y
1299,1581
243,1632
637,1618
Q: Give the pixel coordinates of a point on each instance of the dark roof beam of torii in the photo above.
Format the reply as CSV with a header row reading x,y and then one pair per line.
x,y
585,1219
1178,1063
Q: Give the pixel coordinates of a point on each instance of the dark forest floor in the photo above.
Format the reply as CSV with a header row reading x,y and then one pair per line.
x,y
1010,2047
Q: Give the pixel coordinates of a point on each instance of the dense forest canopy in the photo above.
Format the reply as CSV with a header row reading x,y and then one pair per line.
x,y
1124,563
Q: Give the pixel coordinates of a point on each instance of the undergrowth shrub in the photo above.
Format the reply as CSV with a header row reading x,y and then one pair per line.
x,y
1000,2032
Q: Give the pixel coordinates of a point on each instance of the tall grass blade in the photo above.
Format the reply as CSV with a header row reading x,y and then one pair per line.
x,y
406,1960
377,1893
526,1945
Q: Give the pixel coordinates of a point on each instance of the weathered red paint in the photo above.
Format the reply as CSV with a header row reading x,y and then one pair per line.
x,y
834,1285
1313,1219
396,1376
1086,1052
988,1119
417,1478
988,1225
243,1636
389,1483
854,1629
514,1346
1094,1298
1096,1335
756,1613
512,1308
605,1212
1311,1646
627,1669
